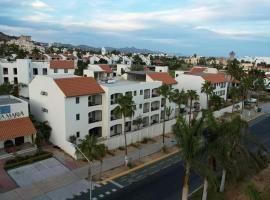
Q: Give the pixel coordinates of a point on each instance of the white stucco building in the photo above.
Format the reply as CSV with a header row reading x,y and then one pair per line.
x,y
16,127
22,71
82,105
197,76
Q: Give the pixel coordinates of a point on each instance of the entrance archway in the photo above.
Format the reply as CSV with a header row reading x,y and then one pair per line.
x,y
8,144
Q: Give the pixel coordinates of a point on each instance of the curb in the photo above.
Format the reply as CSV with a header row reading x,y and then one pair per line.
x,y
136,168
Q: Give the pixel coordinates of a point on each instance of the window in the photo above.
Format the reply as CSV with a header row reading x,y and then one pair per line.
x,y
44,110
65,70
35,71
78,134
6,79
55,71
44,71
15,71
141,92
44,93
77,100
140,106
135,93
77,117
5,70
15,80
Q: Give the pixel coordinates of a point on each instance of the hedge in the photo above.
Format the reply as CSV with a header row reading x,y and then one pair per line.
x,y
24,160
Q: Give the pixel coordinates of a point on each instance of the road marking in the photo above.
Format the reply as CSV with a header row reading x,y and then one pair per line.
x,y
114,190
108,192
95,198
101,195
117,184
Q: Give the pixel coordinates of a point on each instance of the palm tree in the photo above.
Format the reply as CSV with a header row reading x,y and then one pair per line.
x,y
166,92
192,95
208,89
189,138
235,95
125,108
88,148
101,153
179,98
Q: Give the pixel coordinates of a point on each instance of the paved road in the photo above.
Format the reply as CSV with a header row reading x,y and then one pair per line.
x,y
167,184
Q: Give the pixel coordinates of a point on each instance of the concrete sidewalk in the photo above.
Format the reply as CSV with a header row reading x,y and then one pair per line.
x,y
64,186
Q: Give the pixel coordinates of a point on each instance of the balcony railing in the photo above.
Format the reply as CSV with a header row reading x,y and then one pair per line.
x,y
153,108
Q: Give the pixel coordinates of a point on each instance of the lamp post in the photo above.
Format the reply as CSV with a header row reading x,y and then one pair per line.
x,y
89,170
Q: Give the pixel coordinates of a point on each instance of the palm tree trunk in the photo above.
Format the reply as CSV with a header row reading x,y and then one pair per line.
x,y
163,127
100,169
223,179
186,182
205,188
207,101
190,111
125,136
90,179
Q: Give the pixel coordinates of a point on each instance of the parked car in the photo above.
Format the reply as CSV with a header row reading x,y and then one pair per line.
x,y
250,101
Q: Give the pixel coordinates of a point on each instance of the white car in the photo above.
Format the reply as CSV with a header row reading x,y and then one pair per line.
x,y
251,100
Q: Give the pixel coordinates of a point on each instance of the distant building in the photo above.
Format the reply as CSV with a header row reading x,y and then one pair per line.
x,y
103,51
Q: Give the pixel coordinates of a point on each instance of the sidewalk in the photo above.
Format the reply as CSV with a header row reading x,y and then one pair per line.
x,y
73,182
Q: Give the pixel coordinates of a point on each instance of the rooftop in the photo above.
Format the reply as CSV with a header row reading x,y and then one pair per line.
x,y
119,82
7,99
62,64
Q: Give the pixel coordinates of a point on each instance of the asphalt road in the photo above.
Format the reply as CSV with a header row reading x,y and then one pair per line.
x,y
167,184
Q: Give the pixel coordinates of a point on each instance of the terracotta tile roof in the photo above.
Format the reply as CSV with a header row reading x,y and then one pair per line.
x,y
62,64
214,78
106,68
162,76
197,69
10,129
78,86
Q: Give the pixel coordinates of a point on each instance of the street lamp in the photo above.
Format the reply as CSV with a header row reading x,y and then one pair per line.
x,y
89,169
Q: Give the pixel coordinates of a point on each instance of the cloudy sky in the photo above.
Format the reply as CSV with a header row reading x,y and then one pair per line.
x,y
205,27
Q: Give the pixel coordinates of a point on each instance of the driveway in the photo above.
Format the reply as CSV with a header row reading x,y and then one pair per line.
x,y
36,172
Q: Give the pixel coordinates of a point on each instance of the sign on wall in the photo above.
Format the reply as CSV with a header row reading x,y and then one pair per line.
x,y
4,109
5,113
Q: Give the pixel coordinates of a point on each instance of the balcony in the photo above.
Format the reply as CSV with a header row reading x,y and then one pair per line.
x,y
155,93
155,105
116,130
94,100
114,115
94,116
154,119
146,107
97,131
146,94
114,97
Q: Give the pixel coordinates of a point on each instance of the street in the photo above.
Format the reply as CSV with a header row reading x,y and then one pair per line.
x,y
167,184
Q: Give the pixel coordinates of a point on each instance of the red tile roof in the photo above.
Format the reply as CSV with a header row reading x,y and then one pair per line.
x,y
196,70
214,78
162,76
106,68
78,86
10,129
62,64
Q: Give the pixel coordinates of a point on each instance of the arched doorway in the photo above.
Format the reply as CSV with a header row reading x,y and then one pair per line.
x,y
8,144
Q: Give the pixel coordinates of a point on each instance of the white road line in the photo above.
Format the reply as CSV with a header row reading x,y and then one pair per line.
x,y
101,195
95,198
108,192
117,184
114,190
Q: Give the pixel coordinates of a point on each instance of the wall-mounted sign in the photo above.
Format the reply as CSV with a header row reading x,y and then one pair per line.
x,y
7,116
4,109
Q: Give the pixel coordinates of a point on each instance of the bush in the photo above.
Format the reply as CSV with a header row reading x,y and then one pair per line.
x,y
147,139
136,145
24,160
130,165
121,148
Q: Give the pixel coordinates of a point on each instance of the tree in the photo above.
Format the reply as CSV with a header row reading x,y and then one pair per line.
x,y
216,102
102,61
44,129
192,95
179,98
125,108
101,153
208,89
138,122
234,93
189,137
166,92
81,66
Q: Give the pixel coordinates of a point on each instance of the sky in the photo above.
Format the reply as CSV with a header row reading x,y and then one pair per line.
x,y
204,27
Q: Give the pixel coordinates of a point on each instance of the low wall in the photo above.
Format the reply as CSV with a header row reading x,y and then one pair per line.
x,y
136,136
228,109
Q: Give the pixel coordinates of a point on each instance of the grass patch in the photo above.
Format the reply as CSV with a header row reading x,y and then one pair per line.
x,y
19,161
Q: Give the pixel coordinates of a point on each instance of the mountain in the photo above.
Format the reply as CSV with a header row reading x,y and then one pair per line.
x,y
4,37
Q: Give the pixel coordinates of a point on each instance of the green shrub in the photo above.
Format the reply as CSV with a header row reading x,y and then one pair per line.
x,y
19,161
145,140
121,148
